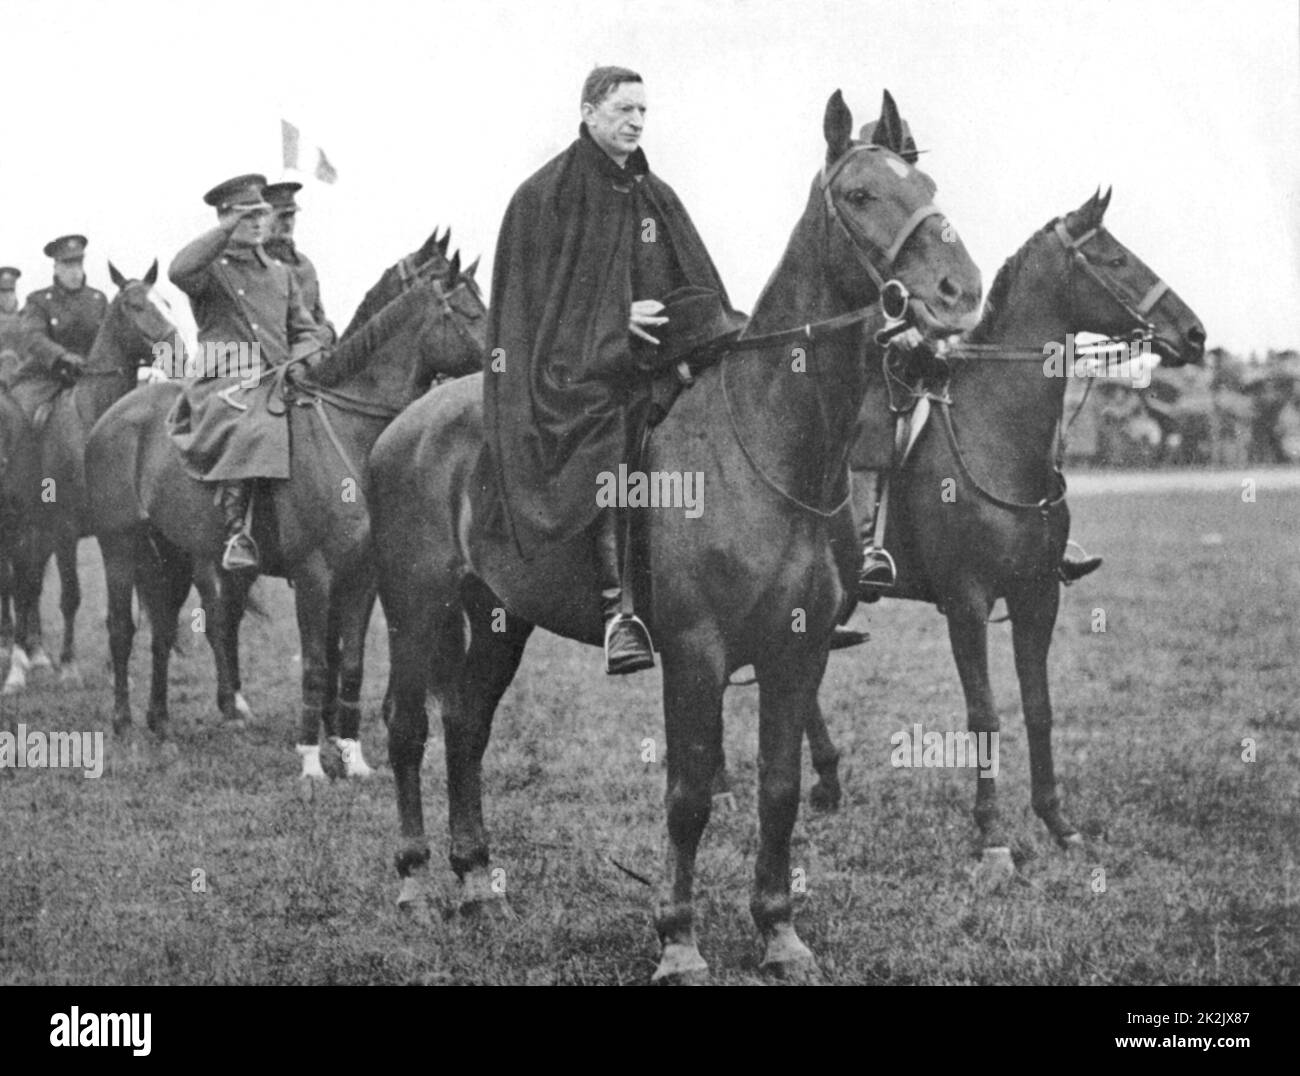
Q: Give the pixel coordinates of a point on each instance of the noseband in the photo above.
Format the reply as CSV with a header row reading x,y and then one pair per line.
x,y
1140,311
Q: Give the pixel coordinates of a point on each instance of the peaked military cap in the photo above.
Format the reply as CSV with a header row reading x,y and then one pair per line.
x,y
66,248
8,275
280,195
240,191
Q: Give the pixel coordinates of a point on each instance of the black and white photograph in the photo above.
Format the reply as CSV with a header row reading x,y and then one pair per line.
x,y
735,493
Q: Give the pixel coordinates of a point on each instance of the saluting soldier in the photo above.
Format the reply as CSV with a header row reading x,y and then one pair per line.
x,y
229,423
68,313
591,248
280,244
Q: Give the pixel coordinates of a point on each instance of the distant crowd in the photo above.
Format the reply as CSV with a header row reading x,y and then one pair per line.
x,y
1233,411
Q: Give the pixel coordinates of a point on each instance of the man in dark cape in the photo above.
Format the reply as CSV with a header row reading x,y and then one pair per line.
x,y
589,246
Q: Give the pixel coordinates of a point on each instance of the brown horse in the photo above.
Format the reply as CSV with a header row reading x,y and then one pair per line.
x,y
159,529
753,580
978,511
52,514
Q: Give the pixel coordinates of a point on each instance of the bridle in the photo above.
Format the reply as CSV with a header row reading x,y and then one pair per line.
x,y
1139,311
891,299
891,294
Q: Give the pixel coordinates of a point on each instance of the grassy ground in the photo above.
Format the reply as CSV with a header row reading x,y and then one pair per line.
x,y
1198,847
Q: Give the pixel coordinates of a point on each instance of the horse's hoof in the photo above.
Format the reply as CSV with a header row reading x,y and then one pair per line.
x,y
242,708
40,660
681,965
996,867
122,726
490,910
724,802
787,958
70,675
354,762
16,681
1071,842
412,897
824,796
311,767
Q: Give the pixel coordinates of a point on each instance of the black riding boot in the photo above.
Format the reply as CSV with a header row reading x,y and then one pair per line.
x,y
1075,568
241,551
627,639
878,573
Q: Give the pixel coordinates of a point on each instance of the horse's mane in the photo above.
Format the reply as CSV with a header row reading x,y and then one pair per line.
x,y
994,304
353,352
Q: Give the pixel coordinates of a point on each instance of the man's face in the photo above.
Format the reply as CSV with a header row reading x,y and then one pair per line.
x,y
617,122
251,229
8,302
281,224
70,274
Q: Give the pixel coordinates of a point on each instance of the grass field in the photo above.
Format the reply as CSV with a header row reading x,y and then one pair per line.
x,y
1198,847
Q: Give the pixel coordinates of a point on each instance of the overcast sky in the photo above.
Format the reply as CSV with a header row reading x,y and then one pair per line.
x,y
120,115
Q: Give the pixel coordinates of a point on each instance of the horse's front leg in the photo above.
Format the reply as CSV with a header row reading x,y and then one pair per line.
x,y
69,602
351,604
968,633
694,681
311,588
787,697
31,553
1033,609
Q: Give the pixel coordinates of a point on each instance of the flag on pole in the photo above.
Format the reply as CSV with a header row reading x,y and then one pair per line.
x,y
303,157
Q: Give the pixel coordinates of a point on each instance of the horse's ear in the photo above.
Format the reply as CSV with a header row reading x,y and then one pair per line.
x,y
889,130
429,249
473,267
442,243
837,125
1104,202
453,274
119,281
151,277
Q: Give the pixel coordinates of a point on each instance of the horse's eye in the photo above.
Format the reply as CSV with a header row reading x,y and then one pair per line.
x,y
859,196
1118,262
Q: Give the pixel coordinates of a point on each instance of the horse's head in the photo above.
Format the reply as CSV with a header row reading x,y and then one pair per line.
x,y
1112,291
454,334
883,224
429,261
138,319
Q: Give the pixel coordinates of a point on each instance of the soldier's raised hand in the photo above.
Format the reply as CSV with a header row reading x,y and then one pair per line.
x,y
645,312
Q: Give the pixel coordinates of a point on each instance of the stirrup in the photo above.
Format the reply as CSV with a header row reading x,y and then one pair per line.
x,y
879,572
634,650
240,554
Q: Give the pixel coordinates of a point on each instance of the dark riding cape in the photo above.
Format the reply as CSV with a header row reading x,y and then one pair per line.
x,y
581,239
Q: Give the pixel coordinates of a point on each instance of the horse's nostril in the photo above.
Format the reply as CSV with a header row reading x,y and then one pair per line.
x,y
1196,335
948,290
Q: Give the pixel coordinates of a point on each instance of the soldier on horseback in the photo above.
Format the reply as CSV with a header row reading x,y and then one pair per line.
x,y
590,247
281,246
61,323
230,423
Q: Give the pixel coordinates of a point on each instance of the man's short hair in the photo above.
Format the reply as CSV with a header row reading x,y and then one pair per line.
x,y
603,80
